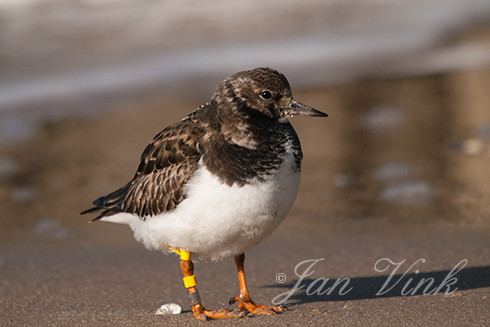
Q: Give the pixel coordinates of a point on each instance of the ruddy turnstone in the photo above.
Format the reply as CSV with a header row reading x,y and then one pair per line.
x,y
217,182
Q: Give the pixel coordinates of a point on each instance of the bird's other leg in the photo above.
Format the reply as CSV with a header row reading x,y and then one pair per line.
x,y
190,283
244,300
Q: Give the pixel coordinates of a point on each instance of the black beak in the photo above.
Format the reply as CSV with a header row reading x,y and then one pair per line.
x,y
296,108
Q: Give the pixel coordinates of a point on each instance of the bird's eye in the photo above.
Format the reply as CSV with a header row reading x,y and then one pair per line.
x,y
266,95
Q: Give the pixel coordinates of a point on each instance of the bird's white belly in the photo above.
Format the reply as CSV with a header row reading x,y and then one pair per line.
x,y
217,221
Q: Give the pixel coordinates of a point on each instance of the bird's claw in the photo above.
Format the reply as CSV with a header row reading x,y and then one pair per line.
x,y
252,307
202,314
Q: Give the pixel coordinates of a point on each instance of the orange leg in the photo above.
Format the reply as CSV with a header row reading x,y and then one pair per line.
x,y
190,283
244,300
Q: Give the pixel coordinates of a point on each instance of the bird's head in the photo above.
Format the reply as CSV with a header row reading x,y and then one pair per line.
x,y
261,92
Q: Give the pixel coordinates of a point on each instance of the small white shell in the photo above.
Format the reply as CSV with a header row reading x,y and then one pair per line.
x,y
169,309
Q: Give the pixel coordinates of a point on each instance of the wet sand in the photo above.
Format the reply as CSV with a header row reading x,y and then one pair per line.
x,y
124,286
399,170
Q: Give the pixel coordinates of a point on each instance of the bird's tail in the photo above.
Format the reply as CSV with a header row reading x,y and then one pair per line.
x,y
110,204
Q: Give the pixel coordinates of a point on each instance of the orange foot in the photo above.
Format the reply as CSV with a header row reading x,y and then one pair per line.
x,y
203,314
248,305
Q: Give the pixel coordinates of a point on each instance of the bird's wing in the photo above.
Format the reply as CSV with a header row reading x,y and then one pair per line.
x,y
165,167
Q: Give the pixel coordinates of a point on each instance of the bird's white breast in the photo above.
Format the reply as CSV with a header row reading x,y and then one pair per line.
x,y
215,220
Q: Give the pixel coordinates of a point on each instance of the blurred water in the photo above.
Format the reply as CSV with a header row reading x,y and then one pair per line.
x,y
8,167
49,228
413,192
393,170
396,144
383,119
58,58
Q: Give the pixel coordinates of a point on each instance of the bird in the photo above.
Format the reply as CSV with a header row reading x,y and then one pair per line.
x,y
219,181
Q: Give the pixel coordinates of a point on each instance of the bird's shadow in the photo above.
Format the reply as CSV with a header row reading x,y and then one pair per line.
x,y
309,290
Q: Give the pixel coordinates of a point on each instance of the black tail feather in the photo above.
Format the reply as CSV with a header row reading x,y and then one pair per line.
x,y
90,210
104,213
111,203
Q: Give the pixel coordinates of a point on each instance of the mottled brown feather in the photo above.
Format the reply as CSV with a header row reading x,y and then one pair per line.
x,y
165,167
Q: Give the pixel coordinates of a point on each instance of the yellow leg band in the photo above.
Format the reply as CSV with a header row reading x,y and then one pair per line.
x,y
189,281
184,255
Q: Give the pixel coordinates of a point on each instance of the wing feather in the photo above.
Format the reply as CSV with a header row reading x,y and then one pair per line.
x,y
165,167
